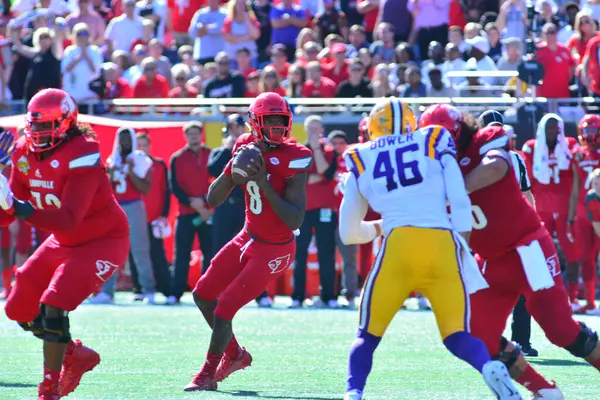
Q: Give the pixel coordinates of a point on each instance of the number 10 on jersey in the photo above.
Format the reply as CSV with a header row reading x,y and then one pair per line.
x,y
407,171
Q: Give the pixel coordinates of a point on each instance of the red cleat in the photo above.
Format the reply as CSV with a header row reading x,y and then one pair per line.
x,y
82,360
228,365
48,392
201,382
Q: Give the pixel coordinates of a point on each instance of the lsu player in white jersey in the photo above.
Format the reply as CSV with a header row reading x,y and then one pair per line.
x,y
408,176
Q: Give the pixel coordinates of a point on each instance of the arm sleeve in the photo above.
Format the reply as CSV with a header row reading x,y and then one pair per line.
x,y
167,200
353,230
520,171
217,161
181,196
456,193
79,191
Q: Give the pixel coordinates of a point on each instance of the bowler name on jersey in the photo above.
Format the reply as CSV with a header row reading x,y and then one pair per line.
x,y
391,140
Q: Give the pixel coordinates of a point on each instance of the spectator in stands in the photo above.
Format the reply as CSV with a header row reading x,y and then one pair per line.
x,y
241,29
365,57
357,40
80,65
317,85
369,9
456,37
129,170
414,86
103,10
480,48
269,82
330,20
404,54
296,80
511,58
158,203
151,84
512,19
473,86
307,35
123,30
584,30
226,83
397,78
279,60
472,30
206,29
244,62
287,19
252,89
262,10
181,89
148,28
383,49
179,18
320,216
493,37
94,21
189,180
116,87
454,62
430,22
349,7
339,142
357,85
548,12
397,14
568,30
56,6
558,63
590,67
337,70
134,72
45,55
163,65
381,84
435,58
155,11
437,87
121,59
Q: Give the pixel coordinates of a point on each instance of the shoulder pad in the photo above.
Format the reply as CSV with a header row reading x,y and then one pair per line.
x,y
438,141
300,157
492,137
83,153
354,161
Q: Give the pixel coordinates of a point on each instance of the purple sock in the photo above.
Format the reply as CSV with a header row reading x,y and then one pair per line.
x,y
468,348
361,360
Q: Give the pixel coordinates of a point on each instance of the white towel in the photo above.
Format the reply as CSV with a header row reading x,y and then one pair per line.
x,y
141,162
472,277
535,266
541,159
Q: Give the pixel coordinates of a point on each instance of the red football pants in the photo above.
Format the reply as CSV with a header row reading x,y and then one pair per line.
x,y
241,271
588,242
63,277
557,223
490,308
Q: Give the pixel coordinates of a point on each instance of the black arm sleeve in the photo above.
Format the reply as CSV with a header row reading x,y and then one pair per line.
x,y
330,172
524,181
167,202
217,161
182,196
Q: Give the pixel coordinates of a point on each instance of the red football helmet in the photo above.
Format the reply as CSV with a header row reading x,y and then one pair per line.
x,y
266,105
363,130
50,114
445,115
589,129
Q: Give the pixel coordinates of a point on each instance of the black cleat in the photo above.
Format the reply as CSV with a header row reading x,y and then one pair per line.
x,y
529,351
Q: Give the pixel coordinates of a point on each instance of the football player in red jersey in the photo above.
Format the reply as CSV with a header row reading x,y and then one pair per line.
x,y
586,158
275,193
58,183
516,253
548,158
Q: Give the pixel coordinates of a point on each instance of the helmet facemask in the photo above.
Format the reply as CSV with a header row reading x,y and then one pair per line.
x,y
43,135
271,128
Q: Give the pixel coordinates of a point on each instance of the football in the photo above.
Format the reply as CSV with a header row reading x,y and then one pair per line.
x,y
242,167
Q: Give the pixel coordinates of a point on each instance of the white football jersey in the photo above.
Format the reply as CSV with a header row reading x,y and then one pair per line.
x,y
402,178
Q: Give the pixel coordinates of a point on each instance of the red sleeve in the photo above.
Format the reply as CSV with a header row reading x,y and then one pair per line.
x,y
255,22
137,90
165,89
77,196
330,89
572,42
126,91
306,89
226,26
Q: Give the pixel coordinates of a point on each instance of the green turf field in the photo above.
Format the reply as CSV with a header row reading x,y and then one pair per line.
x,y
152,353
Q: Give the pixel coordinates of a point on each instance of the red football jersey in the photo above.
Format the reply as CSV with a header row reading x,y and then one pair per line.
x,y
586,162
70,192
553,197
503,219
283,162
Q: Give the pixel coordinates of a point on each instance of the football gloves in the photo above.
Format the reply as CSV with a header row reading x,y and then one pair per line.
x,y
6,195
6,147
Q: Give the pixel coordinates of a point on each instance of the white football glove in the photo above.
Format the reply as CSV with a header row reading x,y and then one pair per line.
x,y
6,195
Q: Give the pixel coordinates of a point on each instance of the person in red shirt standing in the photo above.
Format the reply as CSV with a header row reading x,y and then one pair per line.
x,y
321,216
179,17
548,158
586,158
189,179
558,63
130,172
338,71
151,84
158,203
317,86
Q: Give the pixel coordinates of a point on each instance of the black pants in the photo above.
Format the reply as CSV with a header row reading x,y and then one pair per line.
x,y
325,239
521,325
160,266
185,232
427,35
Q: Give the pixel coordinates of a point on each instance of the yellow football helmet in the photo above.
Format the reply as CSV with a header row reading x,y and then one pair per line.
x,y
391,116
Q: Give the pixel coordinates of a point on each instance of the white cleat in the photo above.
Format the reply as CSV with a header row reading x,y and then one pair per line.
x,y
353,395
548,394
149,299
498,380
265,302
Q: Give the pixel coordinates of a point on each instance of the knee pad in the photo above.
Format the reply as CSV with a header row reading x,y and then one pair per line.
x,y
585,342
508,357
56,329
36,327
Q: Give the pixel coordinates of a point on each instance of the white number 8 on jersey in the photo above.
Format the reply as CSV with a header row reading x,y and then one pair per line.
x,y
255,200
479,219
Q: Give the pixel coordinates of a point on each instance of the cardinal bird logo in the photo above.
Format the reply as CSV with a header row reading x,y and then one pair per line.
x,y
105,269
279,264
